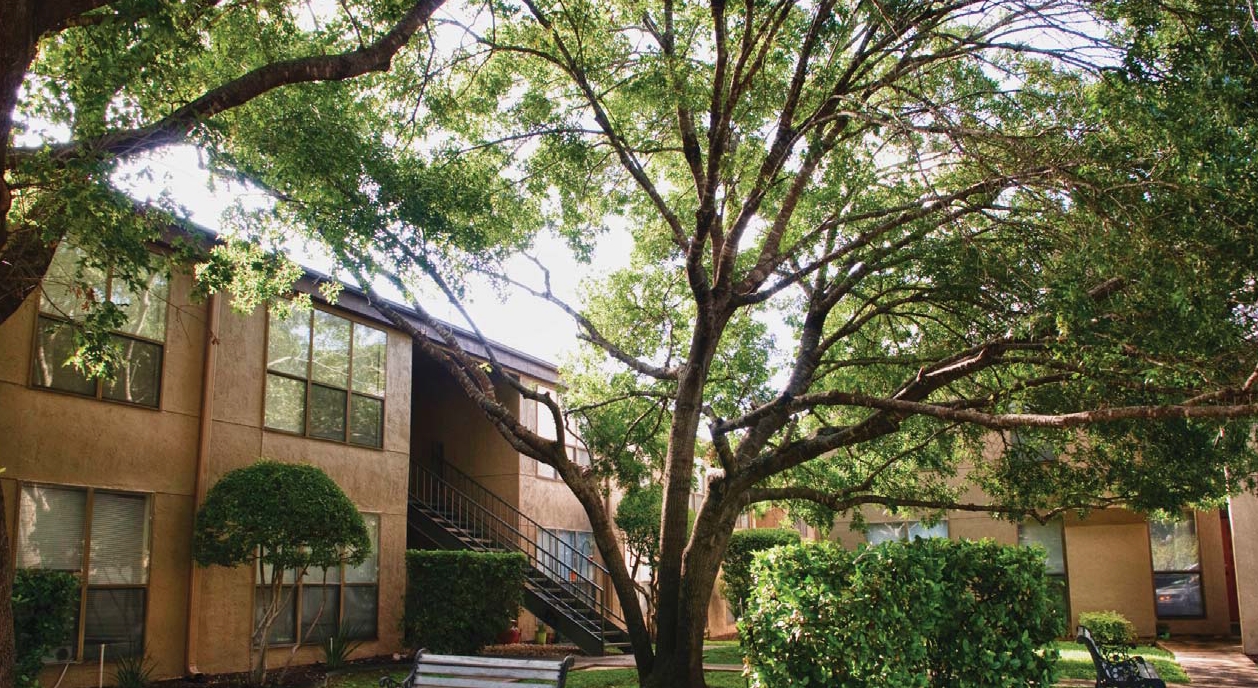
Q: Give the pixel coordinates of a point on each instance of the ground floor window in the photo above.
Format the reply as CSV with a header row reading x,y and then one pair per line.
x,y
1176,569
904,531
1051,537
325,601
103,538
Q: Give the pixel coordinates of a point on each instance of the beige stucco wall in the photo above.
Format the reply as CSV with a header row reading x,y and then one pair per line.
x,y
50,437
374,479
1244,516
1109,567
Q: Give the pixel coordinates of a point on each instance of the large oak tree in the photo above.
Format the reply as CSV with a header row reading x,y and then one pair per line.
x,y
872,239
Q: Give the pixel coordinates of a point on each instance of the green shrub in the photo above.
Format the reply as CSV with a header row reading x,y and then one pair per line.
x,y
44,606
736,568
1109,628
134,671
458,602
927,613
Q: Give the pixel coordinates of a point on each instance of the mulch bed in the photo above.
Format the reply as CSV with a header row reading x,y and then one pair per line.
x,y
297,675
531,650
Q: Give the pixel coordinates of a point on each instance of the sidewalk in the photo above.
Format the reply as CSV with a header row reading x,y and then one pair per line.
x,y
1214,663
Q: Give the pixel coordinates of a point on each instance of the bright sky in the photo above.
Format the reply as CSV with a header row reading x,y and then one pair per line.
x,y
521,321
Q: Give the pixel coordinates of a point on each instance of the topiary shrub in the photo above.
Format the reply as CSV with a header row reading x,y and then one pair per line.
x,y
736,568
928,613
44,607
458,602
1109,628
289,517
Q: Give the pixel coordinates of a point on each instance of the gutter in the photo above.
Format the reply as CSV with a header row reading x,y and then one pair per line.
x,y
206,423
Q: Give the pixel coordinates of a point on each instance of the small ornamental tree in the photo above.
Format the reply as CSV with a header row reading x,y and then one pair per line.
x,y
278,518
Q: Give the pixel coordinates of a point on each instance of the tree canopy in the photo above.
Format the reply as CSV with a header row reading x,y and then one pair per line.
x,y
884,252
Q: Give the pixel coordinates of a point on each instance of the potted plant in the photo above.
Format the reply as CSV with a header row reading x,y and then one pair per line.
x,y
540,636
511,636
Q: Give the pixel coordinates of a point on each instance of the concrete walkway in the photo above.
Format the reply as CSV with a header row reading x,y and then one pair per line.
x,y
1214,663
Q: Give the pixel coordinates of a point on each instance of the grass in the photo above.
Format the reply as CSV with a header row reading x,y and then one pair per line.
x,y
1076,663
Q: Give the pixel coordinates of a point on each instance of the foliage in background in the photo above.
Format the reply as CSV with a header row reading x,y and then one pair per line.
x,y
932,612
45,604
282,519
736,578
458,602
1109,628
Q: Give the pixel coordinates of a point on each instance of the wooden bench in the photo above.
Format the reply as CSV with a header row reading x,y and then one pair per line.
x,y
482,672
1116,669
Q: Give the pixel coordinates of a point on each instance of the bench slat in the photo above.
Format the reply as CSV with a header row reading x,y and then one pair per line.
x,y
460,660
440,682
498,672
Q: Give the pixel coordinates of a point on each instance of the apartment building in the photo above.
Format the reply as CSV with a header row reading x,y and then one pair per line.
x,y
103,478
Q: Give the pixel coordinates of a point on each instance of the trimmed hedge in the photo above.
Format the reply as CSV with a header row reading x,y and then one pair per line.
x,y
928,613
44,607
736,568
1109,628
458,602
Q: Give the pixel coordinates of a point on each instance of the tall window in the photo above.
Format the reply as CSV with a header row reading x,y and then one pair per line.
x,y
1051,538
1176,568
324,600
904,531
544,425
139,340
325,377
103,538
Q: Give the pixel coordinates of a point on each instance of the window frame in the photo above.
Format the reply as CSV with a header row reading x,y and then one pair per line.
x,y
82,573
1064,576
1197,573
309,382
299,585
62,320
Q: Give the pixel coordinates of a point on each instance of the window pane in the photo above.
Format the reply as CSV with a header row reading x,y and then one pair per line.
x,y
282,628
288,343
285,404
320,609
119,553
1060,594
1178,594
1050,538
331,350
365,421
917,530
321,576
139,378
879,533
327,413
146,310
369,346
54,346
61,294
50,528
114,618
1174,545
359,619
366,572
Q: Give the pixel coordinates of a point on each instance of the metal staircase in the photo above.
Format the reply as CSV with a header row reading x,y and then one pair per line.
x,y
450,510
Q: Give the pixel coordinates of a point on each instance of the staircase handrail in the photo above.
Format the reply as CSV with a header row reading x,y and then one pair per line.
x,y
592,599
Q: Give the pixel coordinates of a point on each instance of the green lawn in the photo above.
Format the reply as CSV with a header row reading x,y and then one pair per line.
x,y
1074,664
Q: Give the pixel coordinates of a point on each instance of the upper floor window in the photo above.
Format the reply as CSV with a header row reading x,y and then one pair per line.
x,y
325,377
904,531
139,341
1176,568
103,538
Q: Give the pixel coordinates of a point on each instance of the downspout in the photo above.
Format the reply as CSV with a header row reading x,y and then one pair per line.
x,y
198,486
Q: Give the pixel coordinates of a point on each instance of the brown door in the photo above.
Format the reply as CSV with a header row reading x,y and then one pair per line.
x,y
1229,569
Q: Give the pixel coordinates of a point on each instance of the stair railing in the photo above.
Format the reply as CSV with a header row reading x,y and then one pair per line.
x,y
487,517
